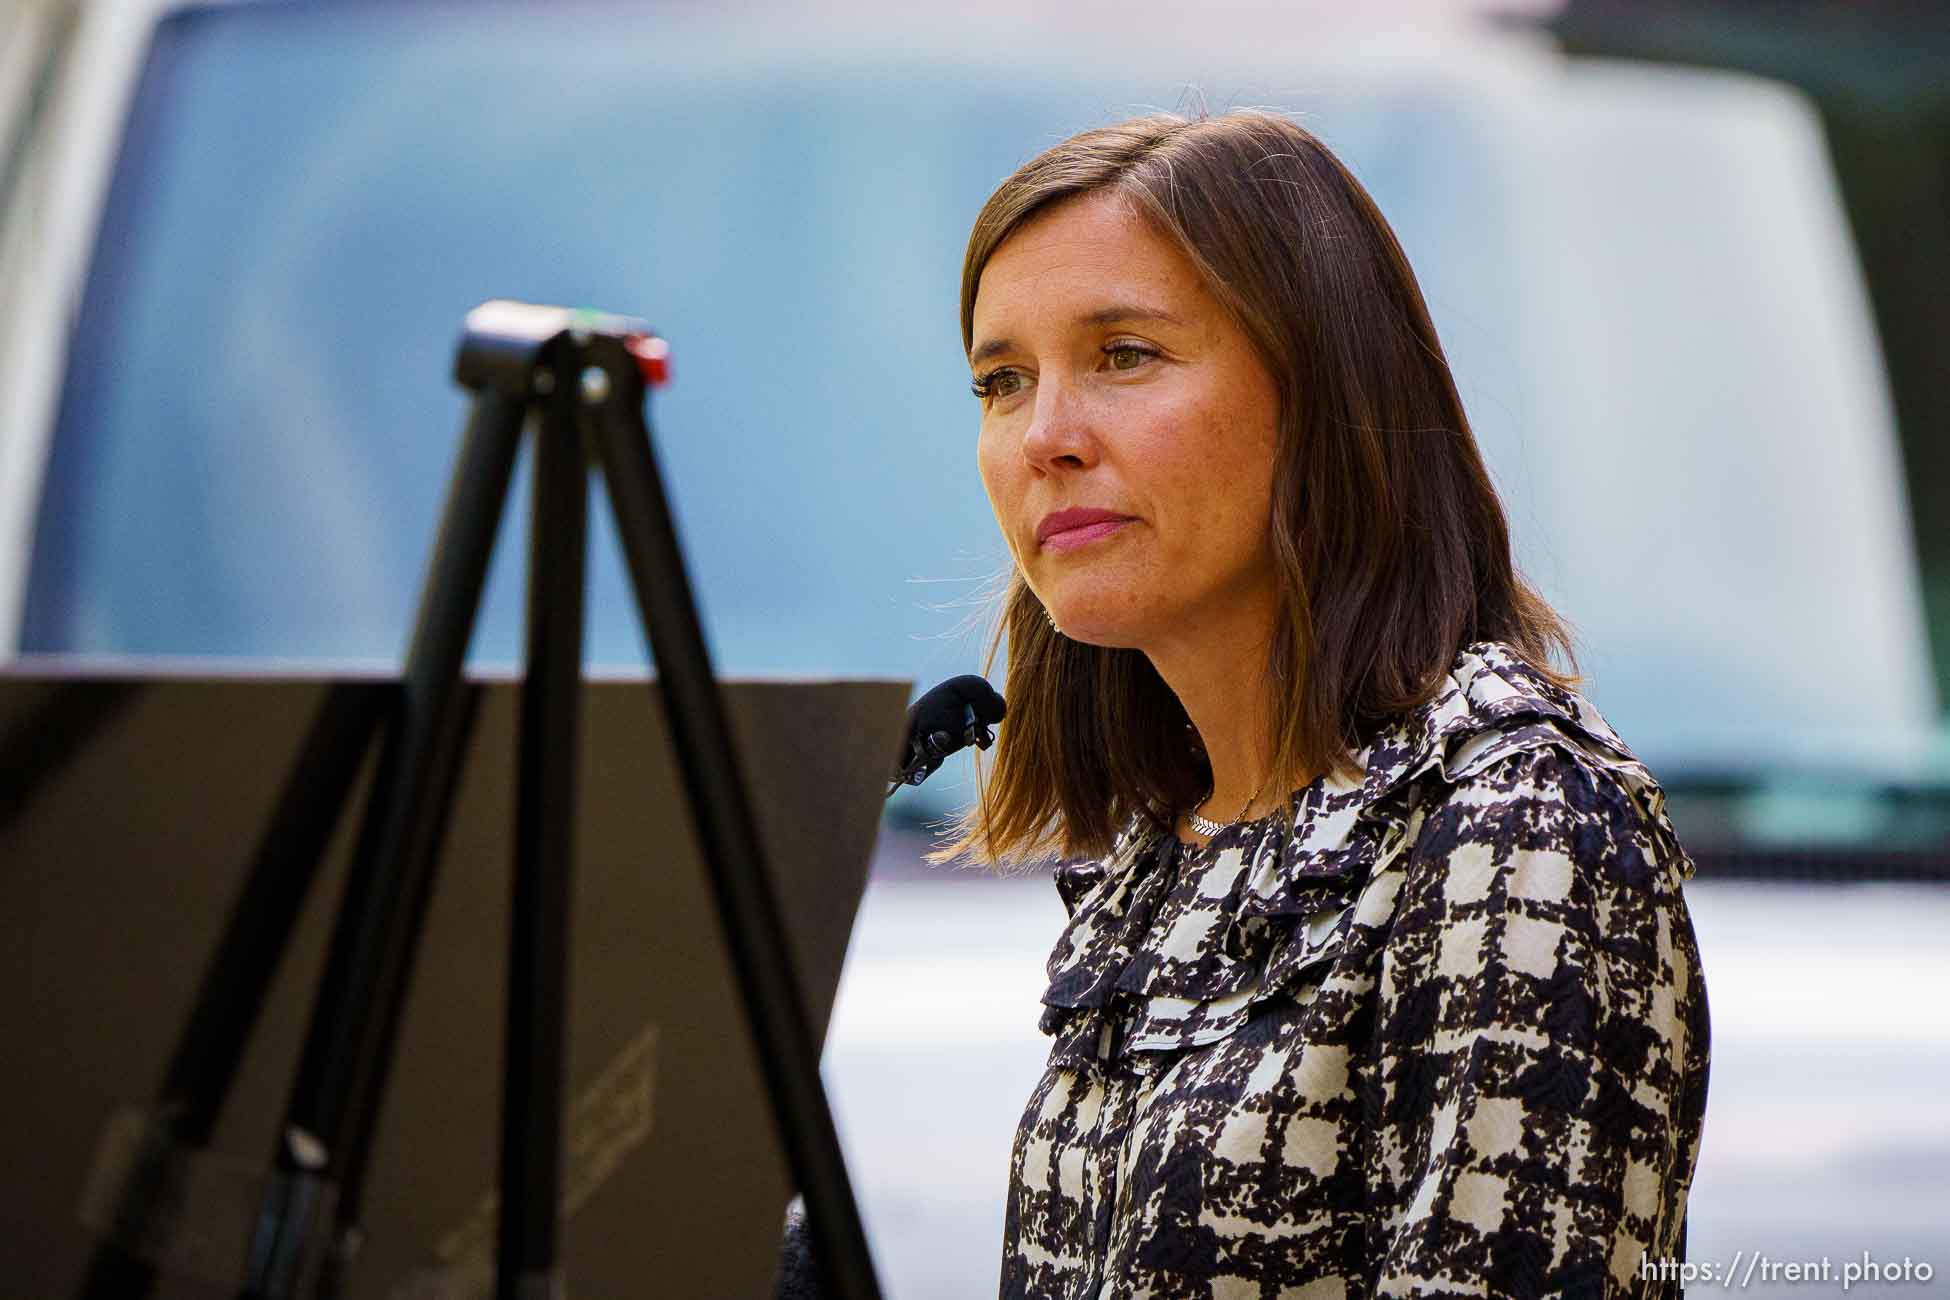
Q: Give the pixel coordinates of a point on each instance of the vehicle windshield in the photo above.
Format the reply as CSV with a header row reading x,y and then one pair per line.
x,y
258,423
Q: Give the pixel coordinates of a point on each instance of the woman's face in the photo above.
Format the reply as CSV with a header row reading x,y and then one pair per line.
x,y
1117,386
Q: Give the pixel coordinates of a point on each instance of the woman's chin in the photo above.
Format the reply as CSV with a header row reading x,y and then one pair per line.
x,y
1096,627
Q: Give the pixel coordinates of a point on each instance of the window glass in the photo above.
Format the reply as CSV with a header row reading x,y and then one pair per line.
x,y
258,423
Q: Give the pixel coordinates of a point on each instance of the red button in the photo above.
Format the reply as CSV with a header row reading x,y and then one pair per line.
x,y
652,358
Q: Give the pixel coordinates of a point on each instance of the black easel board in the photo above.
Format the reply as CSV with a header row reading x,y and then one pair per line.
x,y
131,799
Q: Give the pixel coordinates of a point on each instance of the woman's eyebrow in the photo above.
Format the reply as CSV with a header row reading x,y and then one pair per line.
x,y
1119,313
1116,314
989,349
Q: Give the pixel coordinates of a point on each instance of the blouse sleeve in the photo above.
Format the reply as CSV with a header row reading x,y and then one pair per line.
x,y
1541,1052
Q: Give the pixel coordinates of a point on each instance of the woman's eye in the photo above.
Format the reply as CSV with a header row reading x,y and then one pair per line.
x,y
1128,356
997,383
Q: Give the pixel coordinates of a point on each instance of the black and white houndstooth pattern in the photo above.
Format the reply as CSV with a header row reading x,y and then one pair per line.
x,y
1448,1037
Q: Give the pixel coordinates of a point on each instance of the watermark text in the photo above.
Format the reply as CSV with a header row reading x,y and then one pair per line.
x,y
1747,1267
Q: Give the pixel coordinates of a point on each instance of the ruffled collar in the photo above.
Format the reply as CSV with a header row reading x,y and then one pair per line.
x,y
1155,924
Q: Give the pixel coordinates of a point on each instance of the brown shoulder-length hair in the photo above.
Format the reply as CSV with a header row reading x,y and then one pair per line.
x,y
1392,548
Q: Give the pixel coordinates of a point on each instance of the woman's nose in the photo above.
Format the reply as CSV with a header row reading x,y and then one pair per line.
x,y
1061,434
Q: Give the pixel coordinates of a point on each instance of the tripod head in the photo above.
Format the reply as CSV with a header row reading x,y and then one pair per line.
x,y
515,348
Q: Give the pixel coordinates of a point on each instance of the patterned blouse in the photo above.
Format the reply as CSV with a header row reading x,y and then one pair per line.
x,y
1448,1037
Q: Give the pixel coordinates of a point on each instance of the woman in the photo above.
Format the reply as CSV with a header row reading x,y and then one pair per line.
x,y
1378,978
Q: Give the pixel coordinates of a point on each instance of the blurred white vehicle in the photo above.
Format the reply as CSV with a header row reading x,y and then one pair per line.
x,y
239,240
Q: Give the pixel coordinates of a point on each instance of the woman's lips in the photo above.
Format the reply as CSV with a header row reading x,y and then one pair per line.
x,y
1071,538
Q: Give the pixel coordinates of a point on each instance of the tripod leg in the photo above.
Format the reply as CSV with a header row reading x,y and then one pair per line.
x,y
240,973
531,1107
362,1115
728,833
50,733
350,1032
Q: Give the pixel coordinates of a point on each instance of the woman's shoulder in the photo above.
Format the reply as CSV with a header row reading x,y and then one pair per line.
x,y
1507,768
1076,877
1550,824
1492,703
1500,755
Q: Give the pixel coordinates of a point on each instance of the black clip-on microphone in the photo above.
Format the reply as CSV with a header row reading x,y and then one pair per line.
x,y
954,715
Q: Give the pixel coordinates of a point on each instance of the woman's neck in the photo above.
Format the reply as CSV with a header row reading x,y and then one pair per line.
x,y
1218,672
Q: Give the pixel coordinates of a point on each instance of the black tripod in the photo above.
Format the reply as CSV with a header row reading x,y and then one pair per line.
x,y
583,376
